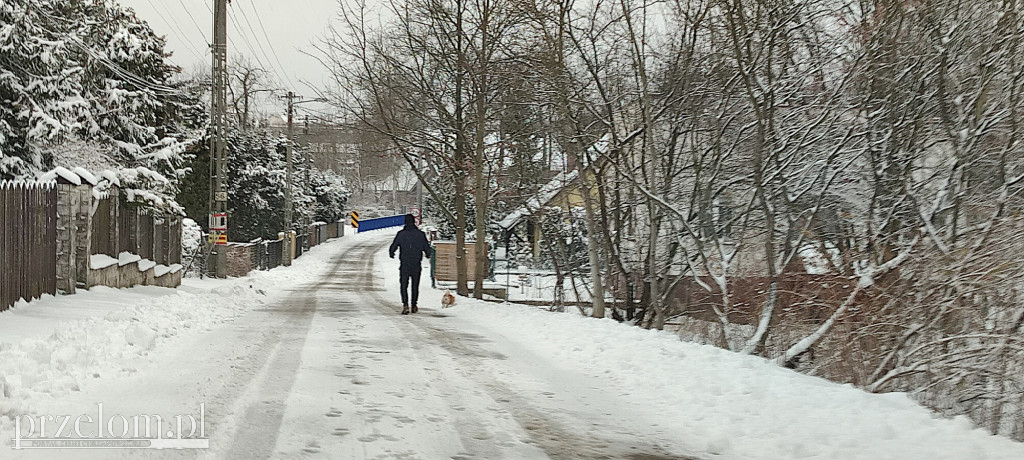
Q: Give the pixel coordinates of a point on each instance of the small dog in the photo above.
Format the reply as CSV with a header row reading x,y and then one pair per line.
x,y
447,299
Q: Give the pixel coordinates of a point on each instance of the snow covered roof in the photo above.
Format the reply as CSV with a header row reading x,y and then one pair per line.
x,y
550,190
543,197
139,181
85,175
60,173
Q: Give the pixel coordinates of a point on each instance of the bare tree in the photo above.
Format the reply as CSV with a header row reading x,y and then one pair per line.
x,y
247,82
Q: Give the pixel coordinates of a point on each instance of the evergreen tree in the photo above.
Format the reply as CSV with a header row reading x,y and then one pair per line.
x,y
93,71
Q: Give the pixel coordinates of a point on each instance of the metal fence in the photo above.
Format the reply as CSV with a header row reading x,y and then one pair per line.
x,y
28,241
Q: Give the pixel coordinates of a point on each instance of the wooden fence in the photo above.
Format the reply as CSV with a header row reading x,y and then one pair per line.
x,y
28,241
105,224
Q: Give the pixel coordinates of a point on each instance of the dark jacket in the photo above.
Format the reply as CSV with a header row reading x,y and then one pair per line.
x,y
414,245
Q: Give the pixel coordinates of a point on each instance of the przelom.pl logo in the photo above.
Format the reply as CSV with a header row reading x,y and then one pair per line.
x,y
111,432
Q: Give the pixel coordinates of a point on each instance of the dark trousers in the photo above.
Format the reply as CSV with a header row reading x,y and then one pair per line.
x,y
408,273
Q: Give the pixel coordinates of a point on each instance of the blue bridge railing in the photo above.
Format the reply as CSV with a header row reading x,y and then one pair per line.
x,y
381,222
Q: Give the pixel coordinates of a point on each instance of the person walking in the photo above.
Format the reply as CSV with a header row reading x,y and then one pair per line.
x,y
413,245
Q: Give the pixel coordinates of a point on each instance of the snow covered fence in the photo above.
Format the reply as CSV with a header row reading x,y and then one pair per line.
x,y
28,241
110,240
73,229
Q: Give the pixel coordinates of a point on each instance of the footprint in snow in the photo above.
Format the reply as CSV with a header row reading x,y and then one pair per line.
x,y
312,447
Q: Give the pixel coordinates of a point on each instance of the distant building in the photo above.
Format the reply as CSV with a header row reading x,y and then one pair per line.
x,y
333,146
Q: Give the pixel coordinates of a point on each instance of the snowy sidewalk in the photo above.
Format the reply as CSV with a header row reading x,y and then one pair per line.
x,y
52,347
713,403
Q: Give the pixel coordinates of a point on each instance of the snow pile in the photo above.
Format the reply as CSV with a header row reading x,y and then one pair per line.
x,y
162,270
87,176
191,237
79,350
63,173
101,261
126,258
45,356
736,406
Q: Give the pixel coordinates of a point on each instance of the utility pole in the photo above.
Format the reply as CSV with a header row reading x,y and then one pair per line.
x,y
218,154
288,183
291,98
288,159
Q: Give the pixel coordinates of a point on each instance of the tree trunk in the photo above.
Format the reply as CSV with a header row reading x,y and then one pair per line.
x,y
462,280
593,242
480,257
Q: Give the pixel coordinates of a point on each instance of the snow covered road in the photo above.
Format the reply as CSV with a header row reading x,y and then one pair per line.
x,y
331,370
314,361
374,384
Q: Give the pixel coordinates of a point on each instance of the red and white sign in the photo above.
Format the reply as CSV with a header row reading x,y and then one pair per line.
x,y
219,221
416,213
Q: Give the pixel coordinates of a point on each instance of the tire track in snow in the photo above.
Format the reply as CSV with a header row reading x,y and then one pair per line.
x,y
556,439
278,357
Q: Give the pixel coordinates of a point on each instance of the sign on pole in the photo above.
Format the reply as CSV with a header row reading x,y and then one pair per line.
x,y
354,218
219,221
416,213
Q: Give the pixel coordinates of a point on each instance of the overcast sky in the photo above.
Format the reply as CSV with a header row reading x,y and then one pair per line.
x,y
273,36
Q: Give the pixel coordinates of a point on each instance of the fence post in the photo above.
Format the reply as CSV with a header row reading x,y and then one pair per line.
x,y
285,248
6,290
175,244
83,232
113,235
67,204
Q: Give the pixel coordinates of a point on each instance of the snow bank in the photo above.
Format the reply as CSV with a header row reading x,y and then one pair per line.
x,y
44,355
736,406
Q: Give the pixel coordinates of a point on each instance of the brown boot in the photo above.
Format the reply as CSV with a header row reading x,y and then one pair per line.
x,y
415,309
405,309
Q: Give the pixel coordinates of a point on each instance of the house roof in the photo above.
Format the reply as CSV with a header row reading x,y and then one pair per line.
x,y
544,196
550,190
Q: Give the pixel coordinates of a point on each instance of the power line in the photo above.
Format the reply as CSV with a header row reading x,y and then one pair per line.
x,y
248,44
188,45
270,43
264,51
131,77
194,22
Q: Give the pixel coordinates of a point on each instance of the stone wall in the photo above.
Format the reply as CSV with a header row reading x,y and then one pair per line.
x,y
239,257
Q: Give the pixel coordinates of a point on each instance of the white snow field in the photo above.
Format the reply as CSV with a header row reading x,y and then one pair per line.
x,y
314,361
